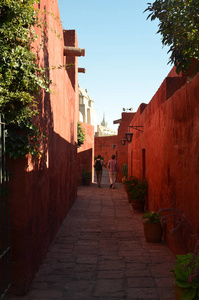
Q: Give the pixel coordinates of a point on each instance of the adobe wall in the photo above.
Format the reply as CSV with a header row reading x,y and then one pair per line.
x,y
166,153
104,145
86,152
42,191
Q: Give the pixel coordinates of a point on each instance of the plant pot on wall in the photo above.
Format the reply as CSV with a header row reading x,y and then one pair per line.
x,y
153,232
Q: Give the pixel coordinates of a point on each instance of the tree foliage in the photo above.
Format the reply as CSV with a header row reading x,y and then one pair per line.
x,y
20,76
179,27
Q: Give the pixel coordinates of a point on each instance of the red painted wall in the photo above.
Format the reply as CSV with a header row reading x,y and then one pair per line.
x,y
167,154
43,190
104,145
86,152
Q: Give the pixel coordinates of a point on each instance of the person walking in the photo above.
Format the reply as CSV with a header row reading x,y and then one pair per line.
x,y
113,169
99,163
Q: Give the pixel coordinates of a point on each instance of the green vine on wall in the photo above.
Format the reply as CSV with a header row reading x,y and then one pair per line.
x,y
23,139
21,79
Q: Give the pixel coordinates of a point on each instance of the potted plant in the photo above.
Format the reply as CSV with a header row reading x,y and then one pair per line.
x,y
86,177
186,275
137,195
186,267
152,226
125,171
129,184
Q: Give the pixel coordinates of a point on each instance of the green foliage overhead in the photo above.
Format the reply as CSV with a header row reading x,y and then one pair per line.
x,y
20,76
179,28
81,136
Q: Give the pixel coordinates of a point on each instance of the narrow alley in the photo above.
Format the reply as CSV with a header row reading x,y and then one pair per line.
x,y
100,253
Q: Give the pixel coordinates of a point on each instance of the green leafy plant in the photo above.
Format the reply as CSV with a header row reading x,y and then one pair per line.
x,y
21,79
86,176
139,190
186,267
186,275
81,136
125,170
130,183
152,217
23,139
178,25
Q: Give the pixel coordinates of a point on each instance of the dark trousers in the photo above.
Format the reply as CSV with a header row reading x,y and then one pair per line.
x,y
99,177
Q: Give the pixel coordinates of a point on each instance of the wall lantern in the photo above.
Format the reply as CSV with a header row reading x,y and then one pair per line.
x,y
129,135
123,141
113,146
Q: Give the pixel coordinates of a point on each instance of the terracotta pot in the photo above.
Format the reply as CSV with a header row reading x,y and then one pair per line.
x,y
178,292
125,186
129,199
86,182
153,232
138,206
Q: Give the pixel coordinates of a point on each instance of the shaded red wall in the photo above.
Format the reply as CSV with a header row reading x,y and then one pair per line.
x,y
86,151
167,154
43,190
104,145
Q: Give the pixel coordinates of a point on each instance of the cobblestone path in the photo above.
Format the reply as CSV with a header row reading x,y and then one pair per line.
x,y
100,253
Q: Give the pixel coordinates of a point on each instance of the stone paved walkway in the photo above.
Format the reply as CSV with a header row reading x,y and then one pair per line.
x,y
100,253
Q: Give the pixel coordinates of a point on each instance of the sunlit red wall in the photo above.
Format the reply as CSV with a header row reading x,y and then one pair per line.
x,y
86,152
166,153
43,190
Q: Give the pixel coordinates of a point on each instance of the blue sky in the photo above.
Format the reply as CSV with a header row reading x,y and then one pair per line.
x,y
125,62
